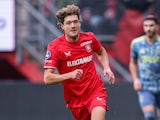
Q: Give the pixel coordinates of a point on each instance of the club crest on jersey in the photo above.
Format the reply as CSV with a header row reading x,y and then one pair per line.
x,y
67,53
48,54
88,48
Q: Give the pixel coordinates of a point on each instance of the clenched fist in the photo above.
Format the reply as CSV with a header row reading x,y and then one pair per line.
x,y
76,74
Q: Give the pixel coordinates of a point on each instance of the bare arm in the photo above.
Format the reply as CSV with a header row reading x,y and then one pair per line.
x,y
134,73
51,78
133,69
103,58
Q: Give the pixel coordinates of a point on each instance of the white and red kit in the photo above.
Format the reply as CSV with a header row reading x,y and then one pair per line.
x,y
68,56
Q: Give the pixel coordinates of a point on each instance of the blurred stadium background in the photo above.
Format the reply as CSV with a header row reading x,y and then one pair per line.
x,y
27,26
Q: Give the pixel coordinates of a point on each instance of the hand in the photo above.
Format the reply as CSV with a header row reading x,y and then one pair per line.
x,y
111,78
76,74
137,85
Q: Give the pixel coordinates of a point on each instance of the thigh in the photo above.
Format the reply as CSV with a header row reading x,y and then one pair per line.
x,y
80,113
146,98
98,99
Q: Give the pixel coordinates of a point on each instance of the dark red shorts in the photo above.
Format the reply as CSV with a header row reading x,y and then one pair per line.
x,y
97,99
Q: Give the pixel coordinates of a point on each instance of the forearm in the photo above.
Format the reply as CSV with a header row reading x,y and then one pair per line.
x,y
103,58
50,78
133,70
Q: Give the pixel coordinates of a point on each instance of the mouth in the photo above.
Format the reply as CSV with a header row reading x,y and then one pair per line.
x,y
149,32
73,31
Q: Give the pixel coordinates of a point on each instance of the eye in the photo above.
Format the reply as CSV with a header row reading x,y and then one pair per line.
x,y
75,21
69,22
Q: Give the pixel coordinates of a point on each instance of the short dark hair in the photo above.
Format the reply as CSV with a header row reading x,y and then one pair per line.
x,y
66,11
151,17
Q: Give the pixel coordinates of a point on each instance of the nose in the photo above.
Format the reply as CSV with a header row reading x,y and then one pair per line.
x,y
72,24
148,28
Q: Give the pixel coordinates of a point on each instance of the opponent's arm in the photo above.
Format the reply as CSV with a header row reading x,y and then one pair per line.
x,y
103,58
51,78
134,73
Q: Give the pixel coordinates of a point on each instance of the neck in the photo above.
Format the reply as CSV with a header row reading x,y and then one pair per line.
x,y
72,39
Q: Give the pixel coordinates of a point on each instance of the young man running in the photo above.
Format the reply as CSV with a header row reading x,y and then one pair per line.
x,y
72,55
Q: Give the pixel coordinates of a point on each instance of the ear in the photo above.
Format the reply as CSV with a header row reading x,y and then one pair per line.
x,y
60,25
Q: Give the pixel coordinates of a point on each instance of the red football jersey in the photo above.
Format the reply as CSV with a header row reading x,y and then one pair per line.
x,y
68,56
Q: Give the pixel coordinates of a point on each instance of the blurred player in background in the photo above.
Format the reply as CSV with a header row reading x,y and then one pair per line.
x,y
72,55
145,68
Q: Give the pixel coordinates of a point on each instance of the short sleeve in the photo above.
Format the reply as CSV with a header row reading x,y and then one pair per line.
x,y
50,57
96,44
134,53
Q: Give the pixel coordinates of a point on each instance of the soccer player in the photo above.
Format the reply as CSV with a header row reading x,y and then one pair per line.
x,y
145,68
72,55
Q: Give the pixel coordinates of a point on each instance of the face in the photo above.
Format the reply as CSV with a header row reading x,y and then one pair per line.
x,y
71,27
150,28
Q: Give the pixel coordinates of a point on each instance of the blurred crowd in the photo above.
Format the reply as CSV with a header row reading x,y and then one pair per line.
x,y
102,16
